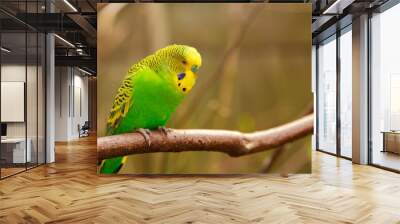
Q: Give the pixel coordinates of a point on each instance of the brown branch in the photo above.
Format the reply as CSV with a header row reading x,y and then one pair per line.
x,y
233,143
268,163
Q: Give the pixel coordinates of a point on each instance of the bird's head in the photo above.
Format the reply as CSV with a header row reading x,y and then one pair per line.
x,y
184,63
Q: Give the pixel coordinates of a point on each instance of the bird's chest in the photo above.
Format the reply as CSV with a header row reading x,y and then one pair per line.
x,y
154,100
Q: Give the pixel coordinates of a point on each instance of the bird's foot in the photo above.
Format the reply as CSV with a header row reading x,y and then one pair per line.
x,y
146,135
164,130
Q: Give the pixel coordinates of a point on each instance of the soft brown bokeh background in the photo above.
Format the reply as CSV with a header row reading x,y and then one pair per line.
x,y
263,81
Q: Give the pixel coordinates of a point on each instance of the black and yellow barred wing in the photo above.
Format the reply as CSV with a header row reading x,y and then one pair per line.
x,y
122,102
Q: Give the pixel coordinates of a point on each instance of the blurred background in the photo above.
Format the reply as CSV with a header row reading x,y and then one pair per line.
x,y
256,74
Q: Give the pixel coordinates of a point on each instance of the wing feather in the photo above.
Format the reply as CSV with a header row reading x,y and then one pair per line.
x,y
122,102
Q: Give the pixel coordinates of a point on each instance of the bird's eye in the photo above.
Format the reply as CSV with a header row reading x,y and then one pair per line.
x,y
184,62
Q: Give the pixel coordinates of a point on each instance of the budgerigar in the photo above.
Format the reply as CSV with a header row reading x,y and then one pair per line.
x,y
150,93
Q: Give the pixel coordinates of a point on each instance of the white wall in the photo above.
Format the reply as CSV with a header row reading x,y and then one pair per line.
x,y
33,127
71,102
62,81
50,94
360,89
12,73
80,110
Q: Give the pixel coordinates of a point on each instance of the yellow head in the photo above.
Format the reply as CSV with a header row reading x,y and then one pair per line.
x,y
184,63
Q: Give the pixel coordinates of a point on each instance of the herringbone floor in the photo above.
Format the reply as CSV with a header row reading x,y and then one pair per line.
x,y
70,191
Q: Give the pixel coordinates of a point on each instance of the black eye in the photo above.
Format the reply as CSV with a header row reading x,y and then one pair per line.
x,y
184,62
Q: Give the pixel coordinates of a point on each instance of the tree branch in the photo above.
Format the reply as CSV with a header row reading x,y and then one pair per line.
x,y
270,160
233,143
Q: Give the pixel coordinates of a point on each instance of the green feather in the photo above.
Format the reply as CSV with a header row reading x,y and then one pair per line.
x,y
147,97
110,166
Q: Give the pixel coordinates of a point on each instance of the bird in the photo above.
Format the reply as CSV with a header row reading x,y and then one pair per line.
x,y
150,92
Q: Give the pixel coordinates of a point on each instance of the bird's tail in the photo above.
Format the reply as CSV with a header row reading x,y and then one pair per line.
x,y
111,166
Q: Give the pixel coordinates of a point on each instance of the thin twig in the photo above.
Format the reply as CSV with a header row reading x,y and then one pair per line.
x,y
270,160
216,75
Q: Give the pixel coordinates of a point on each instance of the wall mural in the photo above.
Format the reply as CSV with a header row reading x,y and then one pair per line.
x,y
204,88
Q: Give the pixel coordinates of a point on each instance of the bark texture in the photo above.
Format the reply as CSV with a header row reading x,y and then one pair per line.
x,y
233,143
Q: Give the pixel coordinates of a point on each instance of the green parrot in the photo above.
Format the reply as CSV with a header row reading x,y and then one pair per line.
x,y
150,92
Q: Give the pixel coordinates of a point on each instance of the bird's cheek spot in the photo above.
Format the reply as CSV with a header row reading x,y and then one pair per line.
x,y
181,76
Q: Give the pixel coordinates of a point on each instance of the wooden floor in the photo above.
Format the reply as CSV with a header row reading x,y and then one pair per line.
x,y
5,172
10,171
387,159
70,191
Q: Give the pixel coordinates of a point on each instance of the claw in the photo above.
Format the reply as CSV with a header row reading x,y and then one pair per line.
x,y
146,135
164,130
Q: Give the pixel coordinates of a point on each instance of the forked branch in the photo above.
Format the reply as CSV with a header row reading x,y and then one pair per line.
x,y
233,143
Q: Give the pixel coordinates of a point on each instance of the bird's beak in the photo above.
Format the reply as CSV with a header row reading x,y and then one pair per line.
x,y
192,73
